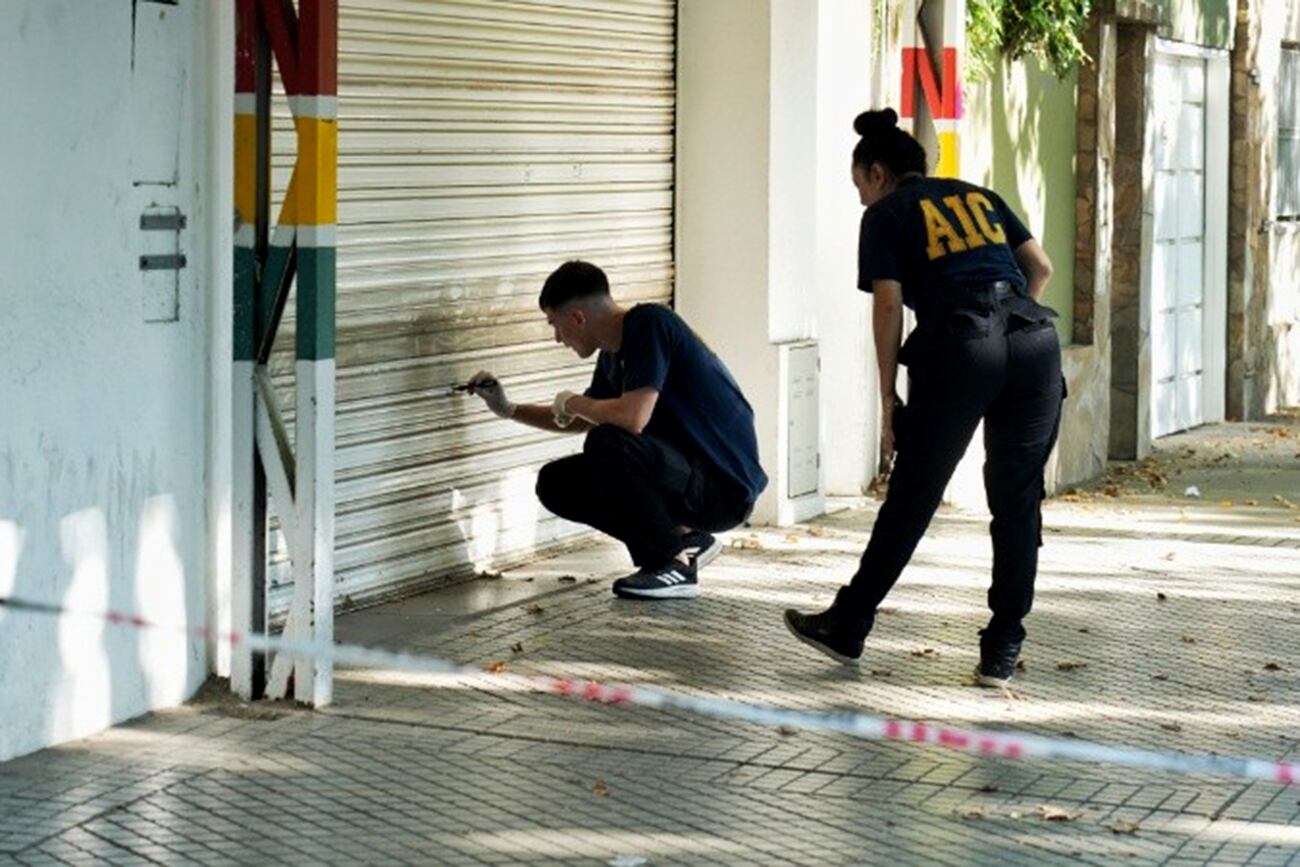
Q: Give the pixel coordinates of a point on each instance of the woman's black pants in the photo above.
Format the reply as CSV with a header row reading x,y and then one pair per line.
x,y
988,364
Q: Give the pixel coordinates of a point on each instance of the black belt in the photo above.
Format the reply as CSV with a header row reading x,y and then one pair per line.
x,y
996,288
971,296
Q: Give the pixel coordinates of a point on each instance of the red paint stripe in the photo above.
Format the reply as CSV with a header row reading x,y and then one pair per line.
x,y
1286,773
987,746
246,25
942,96
893,729
592,691
907,99
933,96
282,27
919,731
1013,750
319,47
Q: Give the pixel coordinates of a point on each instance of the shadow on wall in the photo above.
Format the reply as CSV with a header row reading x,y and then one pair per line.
x,y
69,676
1030,117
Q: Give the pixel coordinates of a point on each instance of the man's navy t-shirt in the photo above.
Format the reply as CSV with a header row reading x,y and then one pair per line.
x,y
701,410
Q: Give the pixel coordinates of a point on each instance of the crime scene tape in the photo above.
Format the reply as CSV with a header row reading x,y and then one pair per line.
x,y
982,742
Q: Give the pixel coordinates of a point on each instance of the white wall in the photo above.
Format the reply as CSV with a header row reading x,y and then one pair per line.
x,y
103,446
766,214
847,83
723,194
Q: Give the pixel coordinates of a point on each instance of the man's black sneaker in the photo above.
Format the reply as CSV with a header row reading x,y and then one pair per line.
x,y
700,547
827,632
997,661
674,581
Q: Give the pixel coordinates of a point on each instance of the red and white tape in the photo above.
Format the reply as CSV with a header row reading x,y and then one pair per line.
x,y
997,744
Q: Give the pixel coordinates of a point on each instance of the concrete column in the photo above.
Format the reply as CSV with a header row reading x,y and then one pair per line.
x,y
766,215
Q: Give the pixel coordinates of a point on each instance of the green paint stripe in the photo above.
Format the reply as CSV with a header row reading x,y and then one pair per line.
x,y
277,261
245,322
316,268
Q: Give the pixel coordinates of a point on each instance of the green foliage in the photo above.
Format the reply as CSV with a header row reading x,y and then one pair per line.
x,y
1049,30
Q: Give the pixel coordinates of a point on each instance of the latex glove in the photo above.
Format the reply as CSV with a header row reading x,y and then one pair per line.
x,y
486,386
887,440
560,409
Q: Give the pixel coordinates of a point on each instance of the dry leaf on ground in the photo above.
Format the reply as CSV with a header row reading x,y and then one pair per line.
x,y
1189,639
882,672
792,539
1171,726
1160,597
1123,826
1159,677
927,652
1056,814
495,667
971,812
989,787
517,647
816,531
600,788
787,731
534,608
1070,665
1272,666
567,579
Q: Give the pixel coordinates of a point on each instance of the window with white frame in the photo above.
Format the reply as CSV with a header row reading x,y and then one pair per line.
x,y
1288,135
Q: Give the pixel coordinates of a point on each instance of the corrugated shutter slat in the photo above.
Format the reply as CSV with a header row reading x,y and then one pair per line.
x,y
481,143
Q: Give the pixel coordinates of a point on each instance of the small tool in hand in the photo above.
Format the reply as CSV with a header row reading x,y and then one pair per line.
x,y
486,383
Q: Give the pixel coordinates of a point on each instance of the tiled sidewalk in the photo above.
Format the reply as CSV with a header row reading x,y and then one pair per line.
x,y
1162,622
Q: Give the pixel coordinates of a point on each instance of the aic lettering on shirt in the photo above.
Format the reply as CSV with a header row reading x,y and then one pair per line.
x,y
971,212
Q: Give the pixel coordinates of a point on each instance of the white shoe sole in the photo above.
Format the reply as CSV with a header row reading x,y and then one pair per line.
x,y
678,591
708,555
989,680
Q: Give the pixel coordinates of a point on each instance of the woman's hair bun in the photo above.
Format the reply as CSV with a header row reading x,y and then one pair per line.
x,y
873,123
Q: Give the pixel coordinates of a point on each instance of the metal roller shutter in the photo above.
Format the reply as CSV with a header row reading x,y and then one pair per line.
x,y
481,143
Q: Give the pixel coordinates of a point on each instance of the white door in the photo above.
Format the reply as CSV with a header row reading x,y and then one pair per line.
x,y
1178,284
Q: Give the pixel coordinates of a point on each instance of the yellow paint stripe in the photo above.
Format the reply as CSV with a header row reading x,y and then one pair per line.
x,y
315,177
246,167
949,155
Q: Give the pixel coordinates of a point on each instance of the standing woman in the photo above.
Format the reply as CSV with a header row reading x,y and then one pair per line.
x,y
983,348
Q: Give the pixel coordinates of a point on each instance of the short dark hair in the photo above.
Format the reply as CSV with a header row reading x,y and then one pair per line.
x,y
573,280
883,142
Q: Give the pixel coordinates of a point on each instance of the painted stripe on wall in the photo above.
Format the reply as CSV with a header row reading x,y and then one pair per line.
x,y
315,322
312,199
246,168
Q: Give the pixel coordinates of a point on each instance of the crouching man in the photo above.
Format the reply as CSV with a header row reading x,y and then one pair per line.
x,y
670,455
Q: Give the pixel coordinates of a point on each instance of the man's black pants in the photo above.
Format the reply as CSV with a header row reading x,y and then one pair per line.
x,y
989,365
639,489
